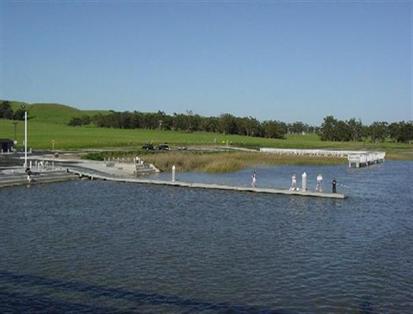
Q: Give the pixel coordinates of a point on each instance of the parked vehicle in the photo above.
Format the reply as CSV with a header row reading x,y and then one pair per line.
x,y
163,147
148,147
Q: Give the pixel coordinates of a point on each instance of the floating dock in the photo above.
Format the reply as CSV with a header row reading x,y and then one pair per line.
x,y
61,176
210,186
37,178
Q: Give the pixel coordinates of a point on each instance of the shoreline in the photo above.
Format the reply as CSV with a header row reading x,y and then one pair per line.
x,y
204,159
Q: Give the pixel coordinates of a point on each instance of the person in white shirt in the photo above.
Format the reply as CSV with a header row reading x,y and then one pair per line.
x,y
293,183
254,180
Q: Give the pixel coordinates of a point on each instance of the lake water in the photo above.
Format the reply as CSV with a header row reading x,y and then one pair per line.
x,y
95,246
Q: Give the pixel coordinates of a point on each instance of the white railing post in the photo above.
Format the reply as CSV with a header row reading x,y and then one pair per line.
x,y
173,173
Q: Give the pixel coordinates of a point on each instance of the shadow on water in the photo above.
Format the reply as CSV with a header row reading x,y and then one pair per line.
x,y
37,303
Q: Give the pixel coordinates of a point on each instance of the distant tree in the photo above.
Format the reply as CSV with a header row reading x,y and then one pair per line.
x,y
355,128
5,110
297,127
378,131
342,132
228,124
75,121
328,129
86,120
393,130
180,122
338,130
209,124
402,131
274,129
78,121
19,113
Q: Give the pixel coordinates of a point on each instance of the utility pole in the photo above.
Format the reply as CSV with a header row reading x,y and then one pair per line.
x,y
25,140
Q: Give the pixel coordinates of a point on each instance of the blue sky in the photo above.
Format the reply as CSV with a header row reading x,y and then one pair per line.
x,y
278,60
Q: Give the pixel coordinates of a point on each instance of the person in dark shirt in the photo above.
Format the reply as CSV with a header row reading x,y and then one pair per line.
x,y
334,185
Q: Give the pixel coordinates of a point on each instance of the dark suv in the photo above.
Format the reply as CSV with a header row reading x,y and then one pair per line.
x,y
163,147
148,147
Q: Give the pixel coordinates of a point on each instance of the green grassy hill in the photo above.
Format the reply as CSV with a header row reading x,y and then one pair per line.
x,y
53,113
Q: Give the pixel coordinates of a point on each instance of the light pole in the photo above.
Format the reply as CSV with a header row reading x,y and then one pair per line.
x,y
25,140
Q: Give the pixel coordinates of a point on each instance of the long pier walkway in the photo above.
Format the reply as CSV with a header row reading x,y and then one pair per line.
x,y
209,186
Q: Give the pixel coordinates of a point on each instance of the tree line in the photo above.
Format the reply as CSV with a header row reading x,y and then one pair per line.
x,y
353,130
189,122
331,129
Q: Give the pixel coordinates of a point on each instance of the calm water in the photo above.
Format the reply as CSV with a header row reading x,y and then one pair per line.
x,y
107,247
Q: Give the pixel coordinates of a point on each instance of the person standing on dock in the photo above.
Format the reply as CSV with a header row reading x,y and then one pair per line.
x,y
334,185
29,175
254,179
318,187
293,186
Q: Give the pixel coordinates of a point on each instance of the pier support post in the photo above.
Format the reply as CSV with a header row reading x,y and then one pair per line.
x,y
173,173
304,182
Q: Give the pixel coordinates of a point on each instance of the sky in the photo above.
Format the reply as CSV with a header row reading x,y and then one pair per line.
x,y
278,60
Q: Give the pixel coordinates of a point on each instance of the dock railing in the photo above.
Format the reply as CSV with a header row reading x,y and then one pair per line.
x,y
354,157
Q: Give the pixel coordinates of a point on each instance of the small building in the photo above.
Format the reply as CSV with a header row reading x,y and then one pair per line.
x,y
6,145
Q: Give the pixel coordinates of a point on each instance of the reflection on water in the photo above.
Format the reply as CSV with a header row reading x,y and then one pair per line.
x,y
94,246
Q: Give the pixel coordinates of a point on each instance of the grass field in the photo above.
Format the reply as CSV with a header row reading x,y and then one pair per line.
x,y
41,135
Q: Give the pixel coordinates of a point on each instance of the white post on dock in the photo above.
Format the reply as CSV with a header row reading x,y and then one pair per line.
x,y
304,182
25,140
173,173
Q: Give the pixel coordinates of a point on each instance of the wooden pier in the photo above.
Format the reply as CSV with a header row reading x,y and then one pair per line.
x,y
355,158
211,186
365,159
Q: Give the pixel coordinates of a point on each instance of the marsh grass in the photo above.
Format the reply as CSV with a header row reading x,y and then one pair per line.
x,y
229,161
